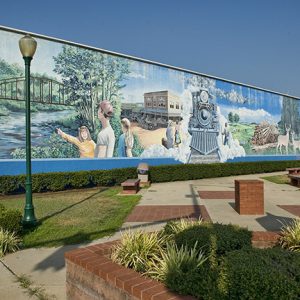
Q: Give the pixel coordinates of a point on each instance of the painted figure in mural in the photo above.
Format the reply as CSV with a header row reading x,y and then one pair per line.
x,y
177,134
106,137
296,144
226,134
283,140
84,141
170,134
164,142
126,140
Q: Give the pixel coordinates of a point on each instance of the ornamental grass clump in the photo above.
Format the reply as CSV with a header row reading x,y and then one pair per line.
x,y
138,250
174,227
9,242
290,236
173,261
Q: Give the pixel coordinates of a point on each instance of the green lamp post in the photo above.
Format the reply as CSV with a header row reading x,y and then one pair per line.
x,y
27,46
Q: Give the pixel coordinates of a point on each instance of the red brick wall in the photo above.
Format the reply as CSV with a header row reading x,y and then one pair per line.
x,y
92,275
249,197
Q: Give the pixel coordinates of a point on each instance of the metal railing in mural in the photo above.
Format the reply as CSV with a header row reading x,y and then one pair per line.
x,y
43,90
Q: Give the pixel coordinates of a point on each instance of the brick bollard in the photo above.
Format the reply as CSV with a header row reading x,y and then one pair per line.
x,y
249,197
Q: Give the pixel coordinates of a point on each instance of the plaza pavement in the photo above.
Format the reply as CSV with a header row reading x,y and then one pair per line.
x,y
45,266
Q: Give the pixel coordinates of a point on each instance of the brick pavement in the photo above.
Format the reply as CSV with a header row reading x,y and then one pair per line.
x,y
152,213
293,209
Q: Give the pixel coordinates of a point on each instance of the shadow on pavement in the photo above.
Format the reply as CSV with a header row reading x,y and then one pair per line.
x,y
272,222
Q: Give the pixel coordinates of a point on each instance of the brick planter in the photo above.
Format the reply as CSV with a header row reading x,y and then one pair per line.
x,y
92,275
264,239
249,197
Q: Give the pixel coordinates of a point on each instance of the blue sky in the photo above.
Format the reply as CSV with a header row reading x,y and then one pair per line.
x,y
253,42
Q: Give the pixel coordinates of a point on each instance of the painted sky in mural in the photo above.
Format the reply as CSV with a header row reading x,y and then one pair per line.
x,y
91,104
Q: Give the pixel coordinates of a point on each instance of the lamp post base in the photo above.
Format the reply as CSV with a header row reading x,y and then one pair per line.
x,y
29,219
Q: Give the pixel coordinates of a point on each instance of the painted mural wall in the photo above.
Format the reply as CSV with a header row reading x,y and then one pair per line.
x,y
89,104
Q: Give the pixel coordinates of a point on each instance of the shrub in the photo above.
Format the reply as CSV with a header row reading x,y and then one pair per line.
x,y
260,274
174,227
9,242
138,250
243,274
214,239
173,261
290,236
199,171
10,219
66,180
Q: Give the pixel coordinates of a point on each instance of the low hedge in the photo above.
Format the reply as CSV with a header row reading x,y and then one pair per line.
x,y
214,239
164,173
260,274
243,274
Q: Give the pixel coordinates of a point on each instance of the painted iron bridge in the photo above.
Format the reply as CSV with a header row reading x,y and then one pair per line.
x,y
43,90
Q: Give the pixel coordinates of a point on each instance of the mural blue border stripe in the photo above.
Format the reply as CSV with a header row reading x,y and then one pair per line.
x,y
18,166
253,158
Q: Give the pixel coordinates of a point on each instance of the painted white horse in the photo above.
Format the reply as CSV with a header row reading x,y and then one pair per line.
x,y
283,140
296,144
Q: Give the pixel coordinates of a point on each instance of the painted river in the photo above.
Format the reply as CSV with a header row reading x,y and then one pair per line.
x,y
12,129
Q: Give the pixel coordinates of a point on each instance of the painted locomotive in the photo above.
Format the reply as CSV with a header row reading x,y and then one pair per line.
x,y
158,108
204,128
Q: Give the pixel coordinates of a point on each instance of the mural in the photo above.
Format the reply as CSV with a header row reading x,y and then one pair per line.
x,y
89,104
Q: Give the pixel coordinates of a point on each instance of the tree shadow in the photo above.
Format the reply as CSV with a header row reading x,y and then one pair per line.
x,y
70,206
56,260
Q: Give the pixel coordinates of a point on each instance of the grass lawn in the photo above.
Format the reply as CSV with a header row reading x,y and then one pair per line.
x,y
279,179
74,216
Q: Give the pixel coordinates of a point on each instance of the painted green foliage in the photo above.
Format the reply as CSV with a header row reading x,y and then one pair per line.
x,y
10,70
90,77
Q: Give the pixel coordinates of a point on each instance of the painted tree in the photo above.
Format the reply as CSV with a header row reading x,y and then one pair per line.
x,y
10,70
90,77
236,118
230,117
290,115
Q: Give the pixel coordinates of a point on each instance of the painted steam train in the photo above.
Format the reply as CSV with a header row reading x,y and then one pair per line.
x,y
158,108
204,128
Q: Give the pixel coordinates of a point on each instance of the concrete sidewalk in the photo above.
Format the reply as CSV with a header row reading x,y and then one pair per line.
x,y
45,266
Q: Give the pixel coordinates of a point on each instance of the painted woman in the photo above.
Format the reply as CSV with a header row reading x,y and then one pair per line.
x,y
83,141
126,140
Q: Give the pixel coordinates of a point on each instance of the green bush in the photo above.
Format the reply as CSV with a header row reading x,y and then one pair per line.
x,y
10,219
199,282
260,274
164,173
199,171
214,239
243,274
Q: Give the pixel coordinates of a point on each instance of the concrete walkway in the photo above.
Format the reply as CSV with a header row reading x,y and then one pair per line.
x,y
45,266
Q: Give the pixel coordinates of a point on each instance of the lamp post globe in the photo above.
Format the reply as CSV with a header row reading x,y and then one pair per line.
x,y
28,46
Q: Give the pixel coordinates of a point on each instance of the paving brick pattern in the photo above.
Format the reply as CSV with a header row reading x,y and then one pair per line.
x,y
216,194
152,213
293,209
